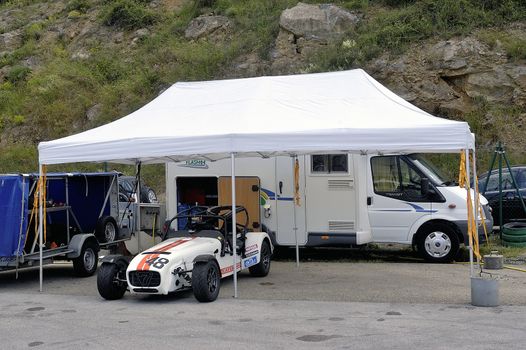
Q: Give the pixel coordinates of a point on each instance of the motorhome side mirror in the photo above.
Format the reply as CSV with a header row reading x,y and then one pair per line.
x,y
424,186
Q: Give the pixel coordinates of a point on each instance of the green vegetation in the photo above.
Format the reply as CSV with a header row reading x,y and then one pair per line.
x,y
81,6
128,14
408,21
494,243
51,100
17,74
513,45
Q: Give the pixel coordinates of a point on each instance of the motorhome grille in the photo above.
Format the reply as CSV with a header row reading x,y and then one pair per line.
x,y
341,225
341,184
145,279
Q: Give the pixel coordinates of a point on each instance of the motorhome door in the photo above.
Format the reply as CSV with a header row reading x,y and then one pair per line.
x,y
247,195
290,217
396,198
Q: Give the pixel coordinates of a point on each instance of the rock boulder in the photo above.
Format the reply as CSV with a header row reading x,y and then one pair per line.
x,y
305,29
317,22
204,26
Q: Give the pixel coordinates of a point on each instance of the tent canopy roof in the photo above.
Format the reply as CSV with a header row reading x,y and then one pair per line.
x,y
264,116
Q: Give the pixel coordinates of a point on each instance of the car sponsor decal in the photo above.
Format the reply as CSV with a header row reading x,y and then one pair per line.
x,y
149,259
251,248
250,261
252,253
229,269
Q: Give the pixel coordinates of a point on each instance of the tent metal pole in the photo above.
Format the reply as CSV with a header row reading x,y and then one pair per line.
x,y
40,224
138,202
477,199
234,217
294,212
471,270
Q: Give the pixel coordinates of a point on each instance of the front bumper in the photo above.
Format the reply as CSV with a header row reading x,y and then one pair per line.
x,y
463,226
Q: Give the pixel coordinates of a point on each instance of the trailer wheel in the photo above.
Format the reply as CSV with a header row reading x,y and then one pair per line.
x,y
86,264
263,267
438,243
108,283
106,229
206,279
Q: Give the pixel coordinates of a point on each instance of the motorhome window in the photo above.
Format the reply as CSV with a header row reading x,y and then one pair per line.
x,y
411,180
427,167
385,174
329,163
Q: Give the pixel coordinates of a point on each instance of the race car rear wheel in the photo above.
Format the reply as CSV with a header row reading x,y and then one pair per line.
x,y
108,283
206,280
263,267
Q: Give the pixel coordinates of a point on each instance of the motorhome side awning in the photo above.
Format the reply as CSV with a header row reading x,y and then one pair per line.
x,y
264,116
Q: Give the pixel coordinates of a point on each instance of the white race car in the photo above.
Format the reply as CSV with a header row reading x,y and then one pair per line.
x,y
196,257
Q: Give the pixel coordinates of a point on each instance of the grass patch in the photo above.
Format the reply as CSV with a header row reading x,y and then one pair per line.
x,y
128,14
394,28
513,45
496,244
17,74
18,158
81,6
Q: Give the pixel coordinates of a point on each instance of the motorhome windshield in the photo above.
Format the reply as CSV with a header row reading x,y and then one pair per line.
x,y
429,170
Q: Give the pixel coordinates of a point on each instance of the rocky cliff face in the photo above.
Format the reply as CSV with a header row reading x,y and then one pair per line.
x,y
451,78
476,74
448,76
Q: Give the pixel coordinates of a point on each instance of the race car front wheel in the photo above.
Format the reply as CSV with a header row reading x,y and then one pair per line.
x,y
205,281
109,281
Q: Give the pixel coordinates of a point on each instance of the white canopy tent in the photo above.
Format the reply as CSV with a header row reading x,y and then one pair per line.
x,y
265,116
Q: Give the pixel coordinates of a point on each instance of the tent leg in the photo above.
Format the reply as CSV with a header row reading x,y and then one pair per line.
x,y
294,214
138,204
234,217
40,225
476,210
471,270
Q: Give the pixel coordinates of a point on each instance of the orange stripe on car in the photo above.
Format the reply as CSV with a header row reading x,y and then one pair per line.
x,y
144,266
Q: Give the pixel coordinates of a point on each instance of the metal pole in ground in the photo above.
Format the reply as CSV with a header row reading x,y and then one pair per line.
x,y
477,199
40,224
294,212
234,217
500,190
471,270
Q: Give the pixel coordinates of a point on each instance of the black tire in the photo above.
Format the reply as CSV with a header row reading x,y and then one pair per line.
x,y
438,243
107,284
514,229
514,244
513,238
86,264
106,230
263,267
151,196
206,279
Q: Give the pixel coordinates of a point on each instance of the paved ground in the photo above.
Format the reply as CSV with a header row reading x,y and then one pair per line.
x,y
46,321
321,304
316,281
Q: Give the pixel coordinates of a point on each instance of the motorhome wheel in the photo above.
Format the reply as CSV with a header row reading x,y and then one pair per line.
x,y
438,243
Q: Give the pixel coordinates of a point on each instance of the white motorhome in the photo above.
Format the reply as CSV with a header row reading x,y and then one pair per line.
x,y
344,199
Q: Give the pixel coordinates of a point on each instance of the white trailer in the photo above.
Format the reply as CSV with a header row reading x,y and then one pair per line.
x,y
345,199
